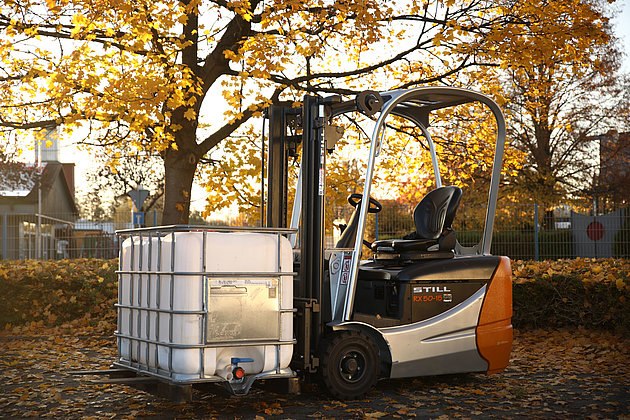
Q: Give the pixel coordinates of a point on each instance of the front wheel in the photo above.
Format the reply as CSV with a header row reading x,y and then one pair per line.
x,y
349,364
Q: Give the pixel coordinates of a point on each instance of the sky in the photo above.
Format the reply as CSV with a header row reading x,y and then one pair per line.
x,y
68,152
622,29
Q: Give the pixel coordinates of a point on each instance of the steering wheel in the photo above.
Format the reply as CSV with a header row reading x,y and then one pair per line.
x,y
355,199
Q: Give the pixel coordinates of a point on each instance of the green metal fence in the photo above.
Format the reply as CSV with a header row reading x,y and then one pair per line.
x,y
528,232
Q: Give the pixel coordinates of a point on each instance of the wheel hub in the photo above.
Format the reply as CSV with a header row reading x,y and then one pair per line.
x,y
352,366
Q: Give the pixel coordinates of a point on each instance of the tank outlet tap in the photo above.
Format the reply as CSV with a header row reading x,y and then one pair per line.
x,y
238,372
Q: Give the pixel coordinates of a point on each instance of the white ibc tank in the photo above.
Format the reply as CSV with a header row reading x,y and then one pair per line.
x,y
177,322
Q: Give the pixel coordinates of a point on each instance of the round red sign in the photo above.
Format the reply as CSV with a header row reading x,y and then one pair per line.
x,y
595,231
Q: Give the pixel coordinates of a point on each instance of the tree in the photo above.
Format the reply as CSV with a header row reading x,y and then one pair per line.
x,y
16,176
555,77
561,87
234,179
464,139
145,74
109,184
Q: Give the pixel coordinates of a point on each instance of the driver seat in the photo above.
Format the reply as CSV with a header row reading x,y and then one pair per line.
x,y
434,236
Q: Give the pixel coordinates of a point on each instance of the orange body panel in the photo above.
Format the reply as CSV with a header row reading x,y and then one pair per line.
x,y
494,329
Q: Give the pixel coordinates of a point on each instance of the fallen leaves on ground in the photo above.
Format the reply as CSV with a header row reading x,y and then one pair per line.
x,y
554,374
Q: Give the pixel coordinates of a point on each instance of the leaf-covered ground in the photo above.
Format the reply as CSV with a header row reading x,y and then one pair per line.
x,y
552,374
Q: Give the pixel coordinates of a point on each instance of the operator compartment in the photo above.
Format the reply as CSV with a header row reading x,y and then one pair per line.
x,y
196,305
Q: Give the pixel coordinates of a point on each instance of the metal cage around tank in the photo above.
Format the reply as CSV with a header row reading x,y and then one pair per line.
x,y
150,280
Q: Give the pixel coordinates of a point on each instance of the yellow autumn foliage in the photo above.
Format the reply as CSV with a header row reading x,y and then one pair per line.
x,y
177,79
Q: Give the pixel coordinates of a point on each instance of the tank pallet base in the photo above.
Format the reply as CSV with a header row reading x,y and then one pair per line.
x,y
282,386
177,393
183,393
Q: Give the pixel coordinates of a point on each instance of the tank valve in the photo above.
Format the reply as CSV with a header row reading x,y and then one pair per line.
x,y
238,372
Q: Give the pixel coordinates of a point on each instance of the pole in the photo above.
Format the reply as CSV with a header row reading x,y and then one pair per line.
x,y
536,250
4,236
262,175
38,238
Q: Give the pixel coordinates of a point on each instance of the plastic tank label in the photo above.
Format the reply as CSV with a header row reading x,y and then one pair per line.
x,y
214,282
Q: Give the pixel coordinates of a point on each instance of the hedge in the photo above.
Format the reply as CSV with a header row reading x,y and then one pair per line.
x,y
593,293
79,295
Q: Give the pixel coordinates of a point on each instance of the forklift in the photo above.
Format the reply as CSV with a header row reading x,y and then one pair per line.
x,y
235,305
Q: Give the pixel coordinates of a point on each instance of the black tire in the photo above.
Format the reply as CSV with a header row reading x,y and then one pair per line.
x,y
349,364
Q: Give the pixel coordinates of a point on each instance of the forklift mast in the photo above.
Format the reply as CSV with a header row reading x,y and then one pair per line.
x,y
284,122
309,206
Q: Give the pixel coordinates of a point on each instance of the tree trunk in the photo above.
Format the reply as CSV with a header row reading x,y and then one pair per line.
x,y
179,172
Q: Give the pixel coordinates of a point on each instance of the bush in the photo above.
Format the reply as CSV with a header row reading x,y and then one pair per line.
x,y
79,295
74,293
581,292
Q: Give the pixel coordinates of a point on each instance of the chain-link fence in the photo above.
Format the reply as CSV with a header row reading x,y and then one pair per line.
x,y
26,236
529,232
520,231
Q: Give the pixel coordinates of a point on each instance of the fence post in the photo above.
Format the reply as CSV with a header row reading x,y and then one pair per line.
x,y
536,249
4,236
376,226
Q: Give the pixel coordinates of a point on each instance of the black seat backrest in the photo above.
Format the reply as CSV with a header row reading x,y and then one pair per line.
x,y
436,212
452,207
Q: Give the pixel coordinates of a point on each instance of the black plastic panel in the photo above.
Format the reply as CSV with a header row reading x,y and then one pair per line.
x,y
462,268
419,291
388,302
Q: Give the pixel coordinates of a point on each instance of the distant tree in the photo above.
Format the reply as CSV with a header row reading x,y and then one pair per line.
x,y
16,175
613,180
196,218
561,87
107,186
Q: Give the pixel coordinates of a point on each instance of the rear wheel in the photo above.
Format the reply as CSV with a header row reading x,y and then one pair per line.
x,y
349,364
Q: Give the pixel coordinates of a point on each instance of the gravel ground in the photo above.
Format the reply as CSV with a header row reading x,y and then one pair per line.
x,y
552,374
